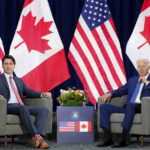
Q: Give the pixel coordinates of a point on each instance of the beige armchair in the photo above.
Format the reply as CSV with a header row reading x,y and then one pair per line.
x,y
10,124
141,122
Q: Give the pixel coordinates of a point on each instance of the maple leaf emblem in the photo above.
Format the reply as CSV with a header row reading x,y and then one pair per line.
x,y
32,34
83,126
146,32
27,2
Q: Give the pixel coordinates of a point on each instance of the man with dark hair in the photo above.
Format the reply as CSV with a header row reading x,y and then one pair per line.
x,y
13,89
9,57
136,88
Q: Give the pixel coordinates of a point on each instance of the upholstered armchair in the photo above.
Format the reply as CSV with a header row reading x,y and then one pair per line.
x,y
10,124
141,122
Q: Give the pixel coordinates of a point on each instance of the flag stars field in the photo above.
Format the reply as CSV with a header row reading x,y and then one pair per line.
x,y
102,11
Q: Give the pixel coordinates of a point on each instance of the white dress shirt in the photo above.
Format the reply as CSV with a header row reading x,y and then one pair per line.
x,y
140,90
13,98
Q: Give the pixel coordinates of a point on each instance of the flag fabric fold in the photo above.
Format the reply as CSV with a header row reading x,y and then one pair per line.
x,y
38,49
138,45
2,53
95,50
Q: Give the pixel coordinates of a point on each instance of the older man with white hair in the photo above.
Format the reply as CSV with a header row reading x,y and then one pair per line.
x,y
136,88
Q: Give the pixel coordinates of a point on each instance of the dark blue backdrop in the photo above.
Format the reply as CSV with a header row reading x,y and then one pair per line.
x,y
66,14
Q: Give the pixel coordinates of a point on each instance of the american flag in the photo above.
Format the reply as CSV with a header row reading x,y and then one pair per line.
x,y
2,53
67,126
95,50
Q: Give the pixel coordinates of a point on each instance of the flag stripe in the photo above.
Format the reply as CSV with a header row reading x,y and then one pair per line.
x,y
114,29
84,79
97,61
78,126
66,130
89,126
110,27
107,58
1,54
87,64
113,46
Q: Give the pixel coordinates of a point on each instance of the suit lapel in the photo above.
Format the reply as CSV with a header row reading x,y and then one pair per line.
x,y
148,78
4,81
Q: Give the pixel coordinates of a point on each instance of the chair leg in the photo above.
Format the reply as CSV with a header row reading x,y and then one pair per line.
x,y
13,139
5,141
138,138
142,142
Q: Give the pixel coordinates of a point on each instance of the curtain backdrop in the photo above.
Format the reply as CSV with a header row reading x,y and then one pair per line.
x,y
66,14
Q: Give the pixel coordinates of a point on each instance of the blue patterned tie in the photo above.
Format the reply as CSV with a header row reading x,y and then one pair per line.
x,y
135,93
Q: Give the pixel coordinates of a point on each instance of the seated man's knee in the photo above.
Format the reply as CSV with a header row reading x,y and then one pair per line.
x,y
104,107
23,109
44,110
130,105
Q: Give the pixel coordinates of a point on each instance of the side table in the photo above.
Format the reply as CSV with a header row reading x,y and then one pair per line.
x,y
75,124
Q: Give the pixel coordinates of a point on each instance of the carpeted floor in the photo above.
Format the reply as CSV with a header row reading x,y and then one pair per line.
x,y
20,145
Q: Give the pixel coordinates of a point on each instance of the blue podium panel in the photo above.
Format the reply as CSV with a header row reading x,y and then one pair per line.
x,y
75,124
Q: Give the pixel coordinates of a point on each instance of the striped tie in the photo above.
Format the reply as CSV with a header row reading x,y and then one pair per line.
x,y
16,91
135,93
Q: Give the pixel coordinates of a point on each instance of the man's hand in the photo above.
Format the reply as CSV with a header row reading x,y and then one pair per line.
x,y
143,79
106,97
47,95
1,96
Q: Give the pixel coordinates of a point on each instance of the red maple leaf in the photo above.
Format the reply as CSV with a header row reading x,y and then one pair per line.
x,y
27,2
83,126
32,34
146,32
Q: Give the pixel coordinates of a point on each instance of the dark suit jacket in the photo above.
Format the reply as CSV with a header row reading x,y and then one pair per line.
x,y
129,88
23,90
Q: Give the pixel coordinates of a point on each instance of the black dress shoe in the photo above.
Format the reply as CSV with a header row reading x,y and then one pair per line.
x,y
105,143
121,143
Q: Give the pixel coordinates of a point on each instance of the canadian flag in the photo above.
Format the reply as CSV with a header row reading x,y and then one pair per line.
x,y
2,53
37,48
84,126
138,45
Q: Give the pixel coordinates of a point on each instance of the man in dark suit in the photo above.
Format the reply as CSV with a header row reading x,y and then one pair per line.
x,y
13,89
135,88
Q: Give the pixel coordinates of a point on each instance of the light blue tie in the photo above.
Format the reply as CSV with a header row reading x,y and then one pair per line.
x,y
135,93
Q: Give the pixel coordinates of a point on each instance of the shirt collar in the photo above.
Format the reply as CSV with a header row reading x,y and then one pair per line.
x,y
146,76
8,75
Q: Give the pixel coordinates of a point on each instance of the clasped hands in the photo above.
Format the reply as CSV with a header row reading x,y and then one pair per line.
x,y
143,79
